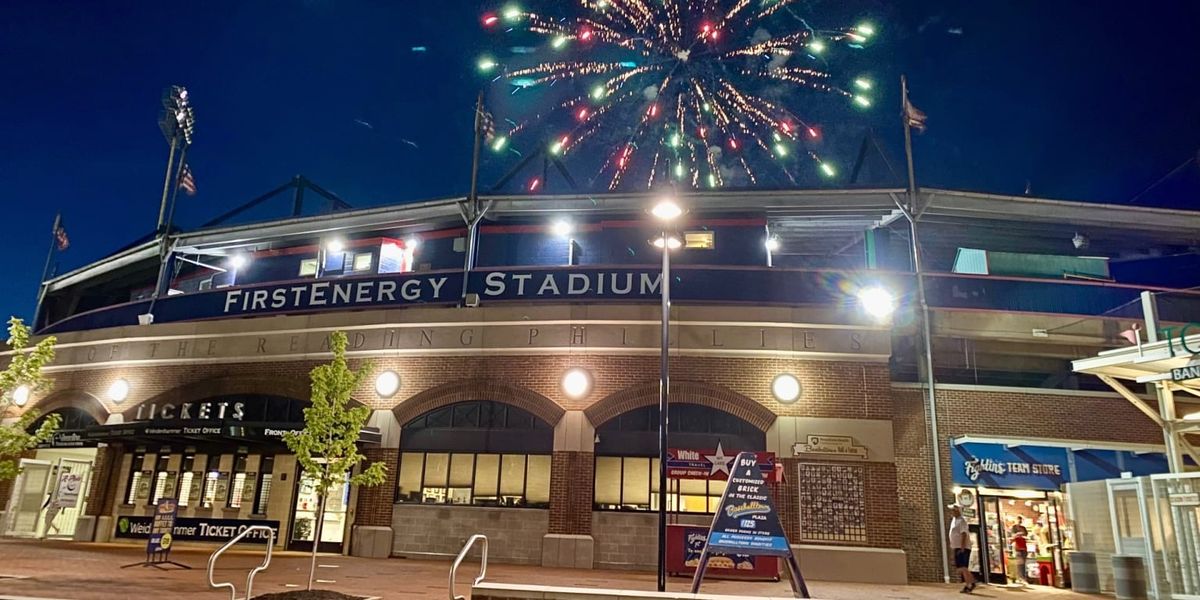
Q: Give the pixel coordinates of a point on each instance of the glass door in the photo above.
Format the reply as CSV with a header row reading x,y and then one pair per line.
x,y
29,495
994,536
304,516
68,496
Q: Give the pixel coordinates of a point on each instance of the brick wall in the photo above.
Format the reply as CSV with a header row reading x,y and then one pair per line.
x,y
374,508
831,389
628,540
571,482
739,385
1017,414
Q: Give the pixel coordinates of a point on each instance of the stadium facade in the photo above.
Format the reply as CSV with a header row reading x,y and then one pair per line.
x,y
518,398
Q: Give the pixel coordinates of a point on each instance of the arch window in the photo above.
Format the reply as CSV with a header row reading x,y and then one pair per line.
x,y
626,473
72,419
481,453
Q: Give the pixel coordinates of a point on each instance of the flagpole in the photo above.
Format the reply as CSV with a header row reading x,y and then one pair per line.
x,y
162,206
37,311
913,213
472,214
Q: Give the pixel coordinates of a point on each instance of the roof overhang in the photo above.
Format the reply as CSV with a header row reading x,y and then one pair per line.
x,y
1147,363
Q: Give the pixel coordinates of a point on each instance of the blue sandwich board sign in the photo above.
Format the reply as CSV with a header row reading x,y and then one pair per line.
x,y
746,523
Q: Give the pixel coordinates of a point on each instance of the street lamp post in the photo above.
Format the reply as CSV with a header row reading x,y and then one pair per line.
x,y
665,211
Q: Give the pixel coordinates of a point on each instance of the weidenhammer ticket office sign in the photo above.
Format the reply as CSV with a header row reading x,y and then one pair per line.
x,y
747,523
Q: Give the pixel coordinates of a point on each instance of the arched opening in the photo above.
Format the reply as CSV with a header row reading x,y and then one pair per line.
x,y
479,452
73,420
627,456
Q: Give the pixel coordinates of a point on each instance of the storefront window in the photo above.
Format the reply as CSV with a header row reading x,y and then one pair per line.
x,y
265,477
238,488
164,480
631,483
627,467
480,453
479,479
186,477
216,483
135,478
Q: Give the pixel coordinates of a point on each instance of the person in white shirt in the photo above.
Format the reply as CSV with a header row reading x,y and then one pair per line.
x,y
960,547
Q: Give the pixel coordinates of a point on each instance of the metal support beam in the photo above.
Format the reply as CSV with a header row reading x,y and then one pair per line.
x,y
1166,406
1137,402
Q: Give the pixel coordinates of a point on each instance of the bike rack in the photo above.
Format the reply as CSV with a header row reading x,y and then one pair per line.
x,y
463,554
212,561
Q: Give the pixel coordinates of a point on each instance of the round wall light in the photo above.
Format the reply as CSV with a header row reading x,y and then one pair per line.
x,y
786,388
576,383
387,384
20,396
118,391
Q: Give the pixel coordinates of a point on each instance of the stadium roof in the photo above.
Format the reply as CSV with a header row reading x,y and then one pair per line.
x,y
818,222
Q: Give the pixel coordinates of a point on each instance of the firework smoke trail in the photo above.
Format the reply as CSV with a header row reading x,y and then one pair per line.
x,y
679,88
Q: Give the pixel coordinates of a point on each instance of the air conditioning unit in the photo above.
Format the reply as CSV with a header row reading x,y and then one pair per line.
x,y
471,300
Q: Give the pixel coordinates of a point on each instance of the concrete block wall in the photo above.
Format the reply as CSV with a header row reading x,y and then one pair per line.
x,y
514,534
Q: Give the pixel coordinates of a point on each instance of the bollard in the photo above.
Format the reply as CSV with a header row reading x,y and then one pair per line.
x,y
1085,578
1129,576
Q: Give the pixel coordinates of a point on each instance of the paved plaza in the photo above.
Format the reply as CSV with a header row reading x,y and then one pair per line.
x,y
56,570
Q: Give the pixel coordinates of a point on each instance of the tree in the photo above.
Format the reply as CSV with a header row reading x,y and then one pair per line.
x,y
326,447
24,370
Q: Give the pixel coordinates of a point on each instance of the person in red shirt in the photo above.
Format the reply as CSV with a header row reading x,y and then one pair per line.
x,y
1020,549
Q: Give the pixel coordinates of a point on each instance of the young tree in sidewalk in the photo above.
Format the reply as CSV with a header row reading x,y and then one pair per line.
x,y
326,448
21,379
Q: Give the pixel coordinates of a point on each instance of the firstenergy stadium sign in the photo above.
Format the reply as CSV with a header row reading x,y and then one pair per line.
x,y
756,286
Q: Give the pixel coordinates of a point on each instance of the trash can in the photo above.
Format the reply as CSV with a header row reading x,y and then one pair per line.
x,y
1129,577
1085,578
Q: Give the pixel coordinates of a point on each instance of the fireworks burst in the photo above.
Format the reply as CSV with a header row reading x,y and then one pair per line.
x,y
695,92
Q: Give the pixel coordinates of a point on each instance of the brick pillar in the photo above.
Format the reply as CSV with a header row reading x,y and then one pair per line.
x,y
108,461
375,503
571,481
372,534
569,542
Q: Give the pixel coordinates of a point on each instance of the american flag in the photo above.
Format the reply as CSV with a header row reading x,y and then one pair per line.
x,y
60,234
186,182
487,124
914,117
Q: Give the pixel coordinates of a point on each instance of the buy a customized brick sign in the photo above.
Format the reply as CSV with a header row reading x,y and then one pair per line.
x,y
746,523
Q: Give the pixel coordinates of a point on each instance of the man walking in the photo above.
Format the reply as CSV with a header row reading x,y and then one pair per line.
x,y
960,547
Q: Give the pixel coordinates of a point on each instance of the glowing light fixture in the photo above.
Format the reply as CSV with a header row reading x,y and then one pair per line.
x,y
877,302
786,388
562,228
576,383
387,384
20,396
118,391
671,242
666,210
772,244
335,246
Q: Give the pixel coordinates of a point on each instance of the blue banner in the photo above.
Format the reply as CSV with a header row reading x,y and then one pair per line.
x,y
772,286
1002,466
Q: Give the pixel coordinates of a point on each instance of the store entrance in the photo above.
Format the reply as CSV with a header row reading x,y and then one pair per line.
x,y
304,516
1011,519
50,493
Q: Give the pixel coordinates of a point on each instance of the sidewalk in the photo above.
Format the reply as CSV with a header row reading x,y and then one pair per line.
x,y
72,571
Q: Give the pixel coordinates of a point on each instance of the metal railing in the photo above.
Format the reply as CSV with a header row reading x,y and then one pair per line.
x,y
463,554
212,561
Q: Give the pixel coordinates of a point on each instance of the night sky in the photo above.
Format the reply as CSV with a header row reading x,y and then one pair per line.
x,y
1076,99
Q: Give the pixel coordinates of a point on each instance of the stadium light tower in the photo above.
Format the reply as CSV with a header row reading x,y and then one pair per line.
x,y
177,123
